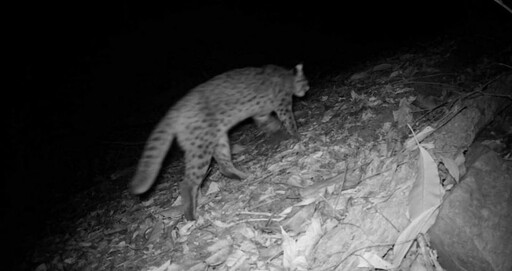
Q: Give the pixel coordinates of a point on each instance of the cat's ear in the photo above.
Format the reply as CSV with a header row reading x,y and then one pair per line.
x,y
298,69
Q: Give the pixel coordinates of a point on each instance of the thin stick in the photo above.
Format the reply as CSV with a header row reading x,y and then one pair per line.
x,y
503,5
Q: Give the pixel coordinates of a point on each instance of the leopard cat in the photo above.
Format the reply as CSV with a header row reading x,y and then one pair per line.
x,y
201,120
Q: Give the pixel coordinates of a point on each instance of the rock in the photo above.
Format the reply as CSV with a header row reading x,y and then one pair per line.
x,y
474,228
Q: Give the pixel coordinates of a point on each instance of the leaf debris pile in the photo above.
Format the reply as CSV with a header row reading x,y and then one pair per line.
x,y
337,199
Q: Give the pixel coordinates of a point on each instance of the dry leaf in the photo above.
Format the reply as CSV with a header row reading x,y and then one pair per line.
x,y
419,225
156,232
292,259
297,221
186,229
237,260
219,256
297,253
307,242
357,76
452,167
213,188
411,142
383,66
426,190
372,260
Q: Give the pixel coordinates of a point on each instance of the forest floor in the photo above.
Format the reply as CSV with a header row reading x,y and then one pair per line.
x,y
338,196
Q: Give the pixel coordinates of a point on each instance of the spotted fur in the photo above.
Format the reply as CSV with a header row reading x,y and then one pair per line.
x,y
201,120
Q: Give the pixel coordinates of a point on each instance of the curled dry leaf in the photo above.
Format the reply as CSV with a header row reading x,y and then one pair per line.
x,y
426,190
452,167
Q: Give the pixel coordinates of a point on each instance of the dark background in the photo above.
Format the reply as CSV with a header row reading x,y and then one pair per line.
x,y
89,73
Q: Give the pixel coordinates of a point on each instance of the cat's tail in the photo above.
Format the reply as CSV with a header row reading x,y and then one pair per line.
x,y
154,153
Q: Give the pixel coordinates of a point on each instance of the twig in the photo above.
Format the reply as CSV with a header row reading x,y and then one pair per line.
x,y
505,65
413,134
431,83
503,5
353,253
479,90
420,77
433,75
341,187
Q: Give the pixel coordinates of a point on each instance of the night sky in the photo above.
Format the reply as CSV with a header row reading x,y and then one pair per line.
x,y
90,73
